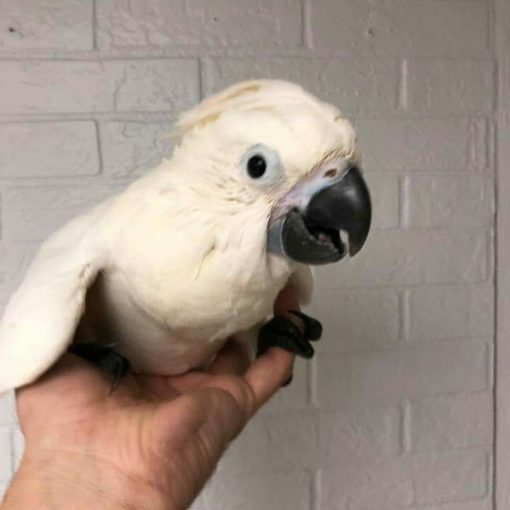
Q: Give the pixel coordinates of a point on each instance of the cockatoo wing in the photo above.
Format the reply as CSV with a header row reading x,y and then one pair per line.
x,y
40,320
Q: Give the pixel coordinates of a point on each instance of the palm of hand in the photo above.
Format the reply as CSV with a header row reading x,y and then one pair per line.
x,y
161,435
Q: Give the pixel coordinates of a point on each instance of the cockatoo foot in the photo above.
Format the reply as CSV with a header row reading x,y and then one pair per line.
x,y
106,358
282,332
313,328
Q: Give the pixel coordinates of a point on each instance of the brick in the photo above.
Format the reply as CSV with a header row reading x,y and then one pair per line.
x,y
423,144
48,149
14,261
450,476
451,312
451,421
356,86
486,504
411,257
450,86
18,447
199,503
131,148
365,434
356,320
346,381
274,442
384,192
51,205
7,411
3,488
262,490
5,457
461,201
398,27
380,484
30,87
306,439
389,483
35,25
211,23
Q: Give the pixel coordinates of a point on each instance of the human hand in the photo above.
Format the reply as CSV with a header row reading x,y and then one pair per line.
x,y
151,444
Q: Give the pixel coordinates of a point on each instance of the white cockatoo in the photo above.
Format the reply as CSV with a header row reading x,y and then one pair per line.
x,y
263,179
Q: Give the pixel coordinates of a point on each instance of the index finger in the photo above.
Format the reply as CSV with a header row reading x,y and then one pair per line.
x,y
268,373
274,367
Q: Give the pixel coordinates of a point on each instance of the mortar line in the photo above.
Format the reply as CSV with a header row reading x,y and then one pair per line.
x,y
94,25
306,35
402,89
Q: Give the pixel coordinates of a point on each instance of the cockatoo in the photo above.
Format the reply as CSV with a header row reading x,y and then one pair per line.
x,y
263,179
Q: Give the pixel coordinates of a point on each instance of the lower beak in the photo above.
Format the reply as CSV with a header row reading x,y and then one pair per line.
x,y
312,234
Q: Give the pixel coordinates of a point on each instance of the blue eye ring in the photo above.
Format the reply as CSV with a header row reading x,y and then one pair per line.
x,y
261,165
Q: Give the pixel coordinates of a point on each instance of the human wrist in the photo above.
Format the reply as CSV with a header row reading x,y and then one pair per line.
x,y
63,480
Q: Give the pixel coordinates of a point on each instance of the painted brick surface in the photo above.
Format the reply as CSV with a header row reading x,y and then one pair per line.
x,y
6,448
289,489
464,201
52,205
35,25
396,410
427,369
14,261
418,479
7,416
18,446
413,257
450,421
450,86
452,311
484,504
48,149
458,144
130,148
3,487
325,439
349,328
79,86
385,194
362,85
400,27
192,23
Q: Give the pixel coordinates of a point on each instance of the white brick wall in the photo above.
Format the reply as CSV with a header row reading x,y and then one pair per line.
x,y
396,411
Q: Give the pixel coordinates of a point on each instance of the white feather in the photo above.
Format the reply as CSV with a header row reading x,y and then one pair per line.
x,y
176,263
41,317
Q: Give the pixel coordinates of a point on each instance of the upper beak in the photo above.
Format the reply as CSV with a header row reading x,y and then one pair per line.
x,y
334,199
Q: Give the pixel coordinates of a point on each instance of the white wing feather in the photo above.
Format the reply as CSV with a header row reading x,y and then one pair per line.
x,y
40,320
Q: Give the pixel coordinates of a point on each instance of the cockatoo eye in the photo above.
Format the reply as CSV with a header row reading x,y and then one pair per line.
x,y
261,164
256,166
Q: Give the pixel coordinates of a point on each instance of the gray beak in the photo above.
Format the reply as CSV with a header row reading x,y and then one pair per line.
x,y
309,232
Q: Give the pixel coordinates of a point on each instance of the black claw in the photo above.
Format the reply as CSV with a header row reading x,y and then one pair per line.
x,y
282,332
105,358
313,328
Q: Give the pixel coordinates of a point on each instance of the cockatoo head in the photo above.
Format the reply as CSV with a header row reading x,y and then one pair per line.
x,y
271,146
